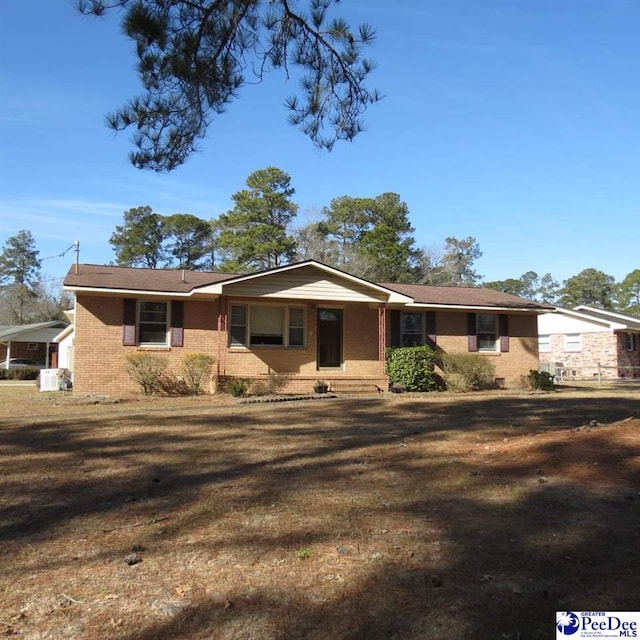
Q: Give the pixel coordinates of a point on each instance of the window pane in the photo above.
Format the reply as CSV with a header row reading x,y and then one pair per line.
x,y
238,328
487,332
296,337
412,329
266,325
296,326
152,328
411,323
238,315
544,344
573,342
296,317
487,342
329,315
238,335
486,323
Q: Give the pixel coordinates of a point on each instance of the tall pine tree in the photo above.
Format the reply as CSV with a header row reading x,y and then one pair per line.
x,y
255,234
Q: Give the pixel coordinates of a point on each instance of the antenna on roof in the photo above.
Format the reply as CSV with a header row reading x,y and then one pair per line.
x,y
76,248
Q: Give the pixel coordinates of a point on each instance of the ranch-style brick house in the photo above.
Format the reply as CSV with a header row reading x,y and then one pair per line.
x,y
307,320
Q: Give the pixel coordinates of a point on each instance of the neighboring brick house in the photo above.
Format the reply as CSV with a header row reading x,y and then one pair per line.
x,y
586,343
308,320
31,341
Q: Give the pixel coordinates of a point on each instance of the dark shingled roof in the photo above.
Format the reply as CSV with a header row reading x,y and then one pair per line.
x,y
170,280
464,296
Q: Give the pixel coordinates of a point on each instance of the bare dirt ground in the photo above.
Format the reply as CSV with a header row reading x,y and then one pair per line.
x,y
388,518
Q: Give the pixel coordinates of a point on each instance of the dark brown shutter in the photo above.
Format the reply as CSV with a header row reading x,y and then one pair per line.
x,y
394,328
472,332
128,322
504,333
430,320
177,324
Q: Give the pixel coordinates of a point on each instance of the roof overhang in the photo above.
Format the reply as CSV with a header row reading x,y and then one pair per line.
x,y
478,308
127,292
614,326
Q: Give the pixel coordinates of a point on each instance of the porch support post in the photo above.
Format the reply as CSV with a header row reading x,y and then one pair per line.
x,y
382,338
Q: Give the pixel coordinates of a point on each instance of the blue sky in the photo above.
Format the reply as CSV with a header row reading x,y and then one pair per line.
x,y
512,121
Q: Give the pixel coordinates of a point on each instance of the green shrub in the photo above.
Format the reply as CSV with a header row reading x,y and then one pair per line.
x,y
542,380
196,369
468,372
411,368
238,387
147,370
23,374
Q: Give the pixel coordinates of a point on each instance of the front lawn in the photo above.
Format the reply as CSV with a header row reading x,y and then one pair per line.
x,y
387,518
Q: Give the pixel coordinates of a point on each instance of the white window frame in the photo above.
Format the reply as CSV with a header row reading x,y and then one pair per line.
x,y
631,342
300,327
287,327
573,342
166,323
243,325
420,336
544,343
495,343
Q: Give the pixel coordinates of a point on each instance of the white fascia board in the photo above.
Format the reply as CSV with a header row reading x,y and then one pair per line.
x,y
64,333
463,307
212,289
627,321
133,292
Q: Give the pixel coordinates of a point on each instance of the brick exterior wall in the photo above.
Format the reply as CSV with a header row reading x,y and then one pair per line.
x,y
628,361
607,349
451,337
100,355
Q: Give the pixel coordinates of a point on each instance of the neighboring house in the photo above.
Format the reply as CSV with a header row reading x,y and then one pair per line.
x,y
31,341
586,343
65,341
307,320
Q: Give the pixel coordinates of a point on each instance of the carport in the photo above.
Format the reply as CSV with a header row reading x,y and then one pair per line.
x,y
33,341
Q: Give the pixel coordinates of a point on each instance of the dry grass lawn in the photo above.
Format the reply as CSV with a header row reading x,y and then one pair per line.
x,y
390,518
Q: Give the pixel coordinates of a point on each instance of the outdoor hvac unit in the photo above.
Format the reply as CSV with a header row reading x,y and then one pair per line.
x,y
49,380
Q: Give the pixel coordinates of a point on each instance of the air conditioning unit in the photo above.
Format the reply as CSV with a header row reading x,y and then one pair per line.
x,y
49,380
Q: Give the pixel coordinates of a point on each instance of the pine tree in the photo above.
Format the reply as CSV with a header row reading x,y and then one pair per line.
x,y
139,241
195,55
590,287
254,235
19,272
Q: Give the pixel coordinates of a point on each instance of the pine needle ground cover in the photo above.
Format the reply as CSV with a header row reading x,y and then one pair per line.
x,y
397,517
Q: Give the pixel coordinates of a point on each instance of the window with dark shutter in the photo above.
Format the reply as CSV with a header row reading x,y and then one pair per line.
x,y
472,332
128,322
430,318
504,333
177,323
394,328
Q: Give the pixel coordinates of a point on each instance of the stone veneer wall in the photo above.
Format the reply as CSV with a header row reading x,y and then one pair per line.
x,y
597,348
